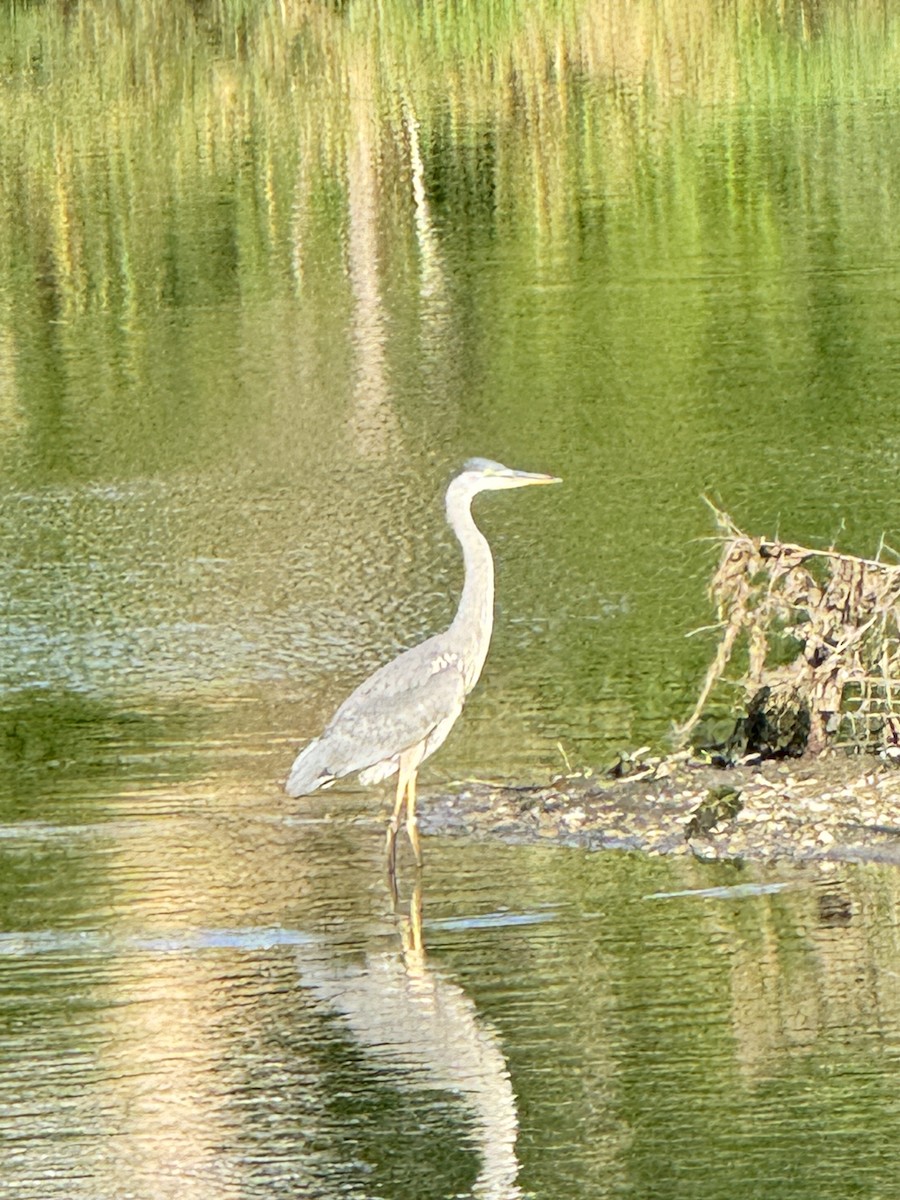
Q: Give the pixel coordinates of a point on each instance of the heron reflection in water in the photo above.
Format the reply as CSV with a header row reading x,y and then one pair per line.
x,y
404,711
425,1034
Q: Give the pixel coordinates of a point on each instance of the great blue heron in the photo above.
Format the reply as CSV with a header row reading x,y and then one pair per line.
x,y
403,713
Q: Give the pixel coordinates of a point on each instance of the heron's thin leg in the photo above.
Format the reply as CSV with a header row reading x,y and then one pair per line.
x,y
415,920
391,872
412,825
394,823
411,934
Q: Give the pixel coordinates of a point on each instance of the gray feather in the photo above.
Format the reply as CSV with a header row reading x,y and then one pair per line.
x,y
309,771
400,706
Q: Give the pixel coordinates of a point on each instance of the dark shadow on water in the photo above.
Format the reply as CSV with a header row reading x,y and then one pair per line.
x,y
57,747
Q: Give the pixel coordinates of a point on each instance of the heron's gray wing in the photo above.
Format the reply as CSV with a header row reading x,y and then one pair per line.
x,y
402,705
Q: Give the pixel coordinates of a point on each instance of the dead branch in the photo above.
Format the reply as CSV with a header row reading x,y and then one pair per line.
x,y
843,614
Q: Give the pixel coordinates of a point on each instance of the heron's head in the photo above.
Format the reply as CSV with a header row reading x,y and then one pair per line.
x,y
481,475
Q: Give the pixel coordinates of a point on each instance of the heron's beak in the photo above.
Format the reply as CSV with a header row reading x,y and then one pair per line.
x,y
526,477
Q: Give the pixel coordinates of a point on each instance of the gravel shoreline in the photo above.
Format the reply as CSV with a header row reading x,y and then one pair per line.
x,y
834,807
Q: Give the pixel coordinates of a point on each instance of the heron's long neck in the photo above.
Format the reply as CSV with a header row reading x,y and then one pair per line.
x,y
471,628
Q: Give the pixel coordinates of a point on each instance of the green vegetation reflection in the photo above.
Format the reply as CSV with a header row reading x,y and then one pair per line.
x,y
159,155
241,233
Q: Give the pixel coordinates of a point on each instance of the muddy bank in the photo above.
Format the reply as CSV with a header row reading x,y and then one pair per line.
x,y
833,807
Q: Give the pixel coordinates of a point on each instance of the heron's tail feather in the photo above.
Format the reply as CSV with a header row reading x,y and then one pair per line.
x,y
310,770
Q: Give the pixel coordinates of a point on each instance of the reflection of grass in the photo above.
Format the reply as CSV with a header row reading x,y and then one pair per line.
x,y
130,131
256,159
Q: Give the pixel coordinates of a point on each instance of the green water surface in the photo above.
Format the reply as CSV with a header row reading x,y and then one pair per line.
x,y
269,272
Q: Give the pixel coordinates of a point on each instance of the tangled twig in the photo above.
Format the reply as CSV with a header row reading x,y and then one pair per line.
x,y
839,614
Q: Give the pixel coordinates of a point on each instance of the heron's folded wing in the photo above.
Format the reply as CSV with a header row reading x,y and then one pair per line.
x,y
397,708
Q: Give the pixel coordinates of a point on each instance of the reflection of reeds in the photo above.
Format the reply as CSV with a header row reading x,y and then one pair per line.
x,y
115,115
310,155
796,975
